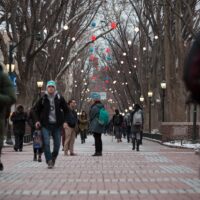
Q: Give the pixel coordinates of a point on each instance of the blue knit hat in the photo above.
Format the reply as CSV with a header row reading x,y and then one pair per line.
x,y
51,83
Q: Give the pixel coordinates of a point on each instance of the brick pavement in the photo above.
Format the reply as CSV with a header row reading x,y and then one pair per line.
x,y
156,172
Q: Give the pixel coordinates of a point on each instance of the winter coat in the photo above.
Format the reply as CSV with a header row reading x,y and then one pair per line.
x,y
19,122
72,118
83,123
120,120
95,127
42,110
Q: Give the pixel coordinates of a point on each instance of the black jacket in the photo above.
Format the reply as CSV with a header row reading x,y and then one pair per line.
x,y
42,108
19,122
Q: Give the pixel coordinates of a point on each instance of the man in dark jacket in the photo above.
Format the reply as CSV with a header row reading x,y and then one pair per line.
x,y
19,118
51,110
95,127
7,98
70,130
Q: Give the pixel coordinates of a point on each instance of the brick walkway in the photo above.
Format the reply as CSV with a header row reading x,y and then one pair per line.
x,y
155,173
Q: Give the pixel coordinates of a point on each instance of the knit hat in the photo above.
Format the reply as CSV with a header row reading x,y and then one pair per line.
x,y
51,83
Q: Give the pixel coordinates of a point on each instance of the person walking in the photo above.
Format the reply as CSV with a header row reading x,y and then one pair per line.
x,y
7,98
70,130
19,118
137,121
95,127
117,123
50,112
127,119
83,126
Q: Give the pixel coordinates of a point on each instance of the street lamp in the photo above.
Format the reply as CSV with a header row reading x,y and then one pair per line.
x,y
163,86
40,85
141,98
150,94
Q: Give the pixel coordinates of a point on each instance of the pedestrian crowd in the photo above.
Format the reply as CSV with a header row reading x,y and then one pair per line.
x,y
52,117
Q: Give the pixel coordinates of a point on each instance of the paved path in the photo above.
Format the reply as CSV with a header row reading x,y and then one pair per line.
x,y
155,173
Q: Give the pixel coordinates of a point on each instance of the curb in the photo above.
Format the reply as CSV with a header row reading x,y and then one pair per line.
x,y
158,141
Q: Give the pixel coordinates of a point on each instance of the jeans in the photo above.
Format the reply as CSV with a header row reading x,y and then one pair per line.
x,y
56,134
83,135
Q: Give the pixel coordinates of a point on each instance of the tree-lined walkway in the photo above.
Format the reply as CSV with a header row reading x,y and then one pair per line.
x,y
156,172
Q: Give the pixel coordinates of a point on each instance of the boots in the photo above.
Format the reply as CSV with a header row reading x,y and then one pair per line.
x,y
39,158
35,157
1,166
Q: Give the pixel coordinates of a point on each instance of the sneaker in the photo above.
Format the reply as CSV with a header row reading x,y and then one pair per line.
x,y
73,154
34,158
15,149
53,161
39,159
1,166
50,164
97,154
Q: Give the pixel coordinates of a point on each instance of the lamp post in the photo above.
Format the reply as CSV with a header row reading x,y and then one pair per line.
x,y
150,94
141,99
40,84
163,86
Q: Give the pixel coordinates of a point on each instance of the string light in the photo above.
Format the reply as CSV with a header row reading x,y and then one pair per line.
x,y
66,27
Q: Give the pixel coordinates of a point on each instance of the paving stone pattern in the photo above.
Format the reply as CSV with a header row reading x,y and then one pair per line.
x,y
155,172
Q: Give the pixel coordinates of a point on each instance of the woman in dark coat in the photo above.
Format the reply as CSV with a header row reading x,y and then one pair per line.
x,y
95,128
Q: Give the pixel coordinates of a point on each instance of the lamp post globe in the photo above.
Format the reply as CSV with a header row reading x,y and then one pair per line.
x,y
163,86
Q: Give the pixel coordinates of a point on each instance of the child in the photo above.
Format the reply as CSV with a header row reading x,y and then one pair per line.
x,y
37,145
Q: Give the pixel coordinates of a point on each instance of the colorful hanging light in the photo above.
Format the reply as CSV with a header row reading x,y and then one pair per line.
x,y
108,58
92,57
91,49
106,81
93,38
107,50
93,24
113,25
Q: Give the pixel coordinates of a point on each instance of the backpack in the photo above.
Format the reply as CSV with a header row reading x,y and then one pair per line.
x,y
103,117
137,118
117,120
128,121
191,74
37,139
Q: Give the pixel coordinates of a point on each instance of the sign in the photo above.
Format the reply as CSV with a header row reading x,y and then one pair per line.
x,y
101,95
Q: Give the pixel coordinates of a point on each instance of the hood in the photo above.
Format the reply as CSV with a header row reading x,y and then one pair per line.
x,y
99,105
